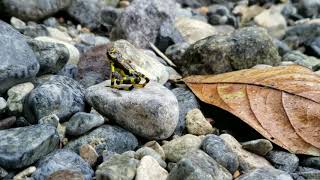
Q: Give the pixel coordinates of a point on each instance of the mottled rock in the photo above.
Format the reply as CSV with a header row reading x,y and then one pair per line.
x,y
20,147
117,167
62,160
259,146
141,21
199,165
301,59
89,154
51,56
33,9
3,173
69,70
74,54
176,51
111,138
197,124
242,49
216,148
16,96
82,122
66,175
150,169
308,8
247,160
187,101
156,146
150,112
18,63
109,16
52,119
7,122
146,151
58,94
265,174
283,160
179,147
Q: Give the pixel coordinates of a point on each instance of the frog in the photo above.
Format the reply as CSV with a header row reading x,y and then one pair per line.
x,y
126,69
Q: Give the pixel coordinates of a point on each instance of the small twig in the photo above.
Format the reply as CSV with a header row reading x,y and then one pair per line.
x,y
161,54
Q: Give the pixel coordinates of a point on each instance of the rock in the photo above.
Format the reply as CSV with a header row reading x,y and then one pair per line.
x,y
284,161
259,146
220,15
66,175
247,160
58,34
34,9
282,47
150,169
299,58
3,173
156,146
261,66
61,95
219,54
265,173
216,148
309,8
62,160
25,173
69,70
74,54
51,56
22,122
273,21
52,119
141,21
3,105
177,148
117,167
197,124
17,23
313,162
7,122
198,165
146,151
109,16
189,3
150,112
303,173
18,63
111,138
33,30
176,51
89,154
315,47
82,122
26,144
143,62
51,22
16,96
93,66
187,101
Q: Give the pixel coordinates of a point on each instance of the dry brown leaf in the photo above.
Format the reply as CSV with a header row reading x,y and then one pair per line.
x,y
281,103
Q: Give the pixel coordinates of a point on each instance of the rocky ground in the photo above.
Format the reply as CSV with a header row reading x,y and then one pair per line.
x,y
58,119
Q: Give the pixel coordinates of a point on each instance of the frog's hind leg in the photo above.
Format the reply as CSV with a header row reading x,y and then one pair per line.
x,y
114,80
142,76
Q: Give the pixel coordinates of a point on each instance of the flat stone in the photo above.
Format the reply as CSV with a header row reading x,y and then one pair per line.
x,y
106,137
18,63
259,146
283,160
150,169
216,148
57,34
66,175
82,122
16,96
150,112
265,173
179,147
198,165
197,124
20,147
247,160
65,162
8,122
89,154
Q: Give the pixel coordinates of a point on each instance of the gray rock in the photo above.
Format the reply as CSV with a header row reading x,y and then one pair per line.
x,y
52,119
59,94
282,47
198,165
259,146
265,174
187,101
62,160
150,112
3,105
313,162
216,148
3,173
309,8
141,21
220,15
18,63
176,51
106,137
301,59
147,151
69,70
283,160
16,96
33,9
242,49
82,122
109,16
117,167
7,122
20,147
34,30
304,173
189,3
51,56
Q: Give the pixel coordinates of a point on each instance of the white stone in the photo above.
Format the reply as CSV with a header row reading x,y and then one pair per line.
x,y
149,169
3,105
16,95
59,35
197,124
